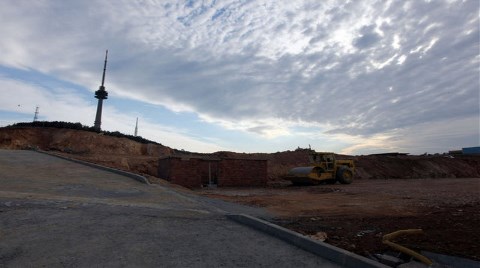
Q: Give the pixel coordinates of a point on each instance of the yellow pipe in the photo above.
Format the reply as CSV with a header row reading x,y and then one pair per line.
x,y
387,237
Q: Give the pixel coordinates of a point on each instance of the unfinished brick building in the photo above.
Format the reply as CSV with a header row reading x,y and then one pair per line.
x,y
198,171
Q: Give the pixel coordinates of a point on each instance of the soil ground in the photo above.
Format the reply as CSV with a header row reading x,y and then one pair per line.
x,y
356,216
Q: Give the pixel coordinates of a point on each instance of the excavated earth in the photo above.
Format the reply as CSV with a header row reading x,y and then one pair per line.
x,y
437,193
355,217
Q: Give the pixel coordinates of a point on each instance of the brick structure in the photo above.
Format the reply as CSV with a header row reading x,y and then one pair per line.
x,y
196,171
242,172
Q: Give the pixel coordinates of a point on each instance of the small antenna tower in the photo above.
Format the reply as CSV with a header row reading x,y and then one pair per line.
x,y
35,118
136,128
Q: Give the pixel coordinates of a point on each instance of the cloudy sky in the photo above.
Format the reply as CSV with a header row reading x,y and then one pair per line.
x,y
352,77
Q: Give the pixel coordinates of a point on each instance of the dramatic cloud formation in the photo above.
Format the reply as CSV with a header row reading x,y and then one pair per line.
x,y
351,76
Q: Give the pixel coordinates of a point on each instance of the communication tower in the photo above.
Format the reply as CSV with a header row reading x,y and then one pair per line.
x,y
101,94
136,128
35,118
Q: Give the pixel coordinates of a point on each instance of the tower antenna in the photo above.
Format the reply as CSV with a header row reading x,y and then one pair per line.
x,y
104,68
136,128
101,94
35,118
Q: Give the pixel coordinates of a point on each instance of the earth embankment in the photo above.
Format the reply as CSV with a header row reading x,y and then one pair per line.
x,y
142,158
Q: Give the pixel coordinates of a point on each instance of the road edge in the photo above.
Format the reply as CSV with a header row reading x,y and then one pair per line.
x,y
134,176
337,255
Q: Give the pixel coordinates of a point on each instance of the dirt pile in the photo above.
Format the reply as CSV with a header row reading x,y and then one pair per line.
x,y
76,142
417,167
115,152
386,166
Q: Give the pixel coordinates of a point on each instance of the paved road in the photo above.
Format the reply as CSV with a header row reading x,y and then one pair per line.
x,y
56,213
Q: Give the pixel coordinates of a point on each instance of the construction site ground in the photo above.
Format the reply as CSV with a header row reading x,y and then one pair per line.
x,y
356,216
56,213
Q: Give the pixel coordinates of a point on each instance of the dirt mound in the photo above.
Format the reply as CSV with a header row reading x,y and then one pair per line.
x,y
386,166
115,152
416,167
76,142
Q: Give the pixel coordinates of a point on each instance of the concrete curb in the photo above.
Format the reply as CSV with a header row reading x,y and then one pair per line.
x,y
340,256
134,176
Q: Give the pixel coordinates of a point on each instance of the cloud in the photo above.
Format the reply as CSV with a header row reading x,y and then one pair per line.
x,y
23,97
368,37
357,69
439,136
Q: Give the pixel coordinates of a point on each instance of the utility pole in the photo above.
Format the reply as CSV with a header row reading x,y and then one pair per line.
x,y
101,94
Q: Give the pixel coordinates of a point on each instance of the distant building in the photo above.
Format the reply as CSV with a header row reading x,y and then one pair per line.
x,y
198,171
390,154
455,152
471,150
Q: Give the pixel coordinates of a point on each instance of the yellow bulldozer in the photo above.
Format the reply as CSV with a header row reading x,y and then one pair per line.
x,y
325,168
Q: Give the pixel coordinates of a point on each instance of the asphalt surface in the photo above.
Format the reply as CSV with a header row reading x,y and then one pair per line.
x,y
56,213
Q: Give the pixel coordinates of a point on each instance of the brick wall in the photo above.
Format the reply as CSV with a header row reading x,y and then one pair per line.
x,y
180,171
195,172
242,172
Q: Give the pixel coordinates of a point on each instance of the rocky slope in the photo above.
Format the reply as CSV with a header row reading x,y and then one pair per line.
x,y
110,151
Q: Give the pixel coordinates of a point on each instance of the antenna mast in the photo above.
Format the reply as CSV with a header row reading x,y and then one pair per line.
x,y
136,128
35,118
104,68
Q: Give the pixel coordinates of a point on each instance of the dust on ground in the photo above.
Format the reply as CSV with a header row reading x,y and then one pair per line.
x,y
356,216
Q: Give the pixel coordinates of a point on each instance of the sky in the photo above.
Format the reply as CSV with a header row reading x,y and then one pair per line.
x,y
352,77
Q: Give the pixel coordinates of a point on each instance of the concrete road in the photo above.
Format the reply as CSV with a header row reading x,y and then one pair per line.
x,y
56,213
